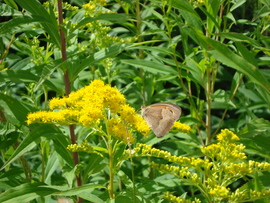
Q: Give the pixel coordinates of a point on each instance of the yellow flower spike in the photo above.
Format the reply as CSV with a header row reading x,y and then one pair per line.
x,y
180,127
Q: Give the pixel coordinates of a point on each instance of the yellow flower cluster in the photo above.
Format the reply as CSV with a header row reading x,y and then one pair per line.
x,y
225,150
65,5
224,164
219,192
147,150
181,172
248,195
241,169
227,136
99,30
94,7
119,130
180,127
254,194
91,105
84,147
175,199
196,3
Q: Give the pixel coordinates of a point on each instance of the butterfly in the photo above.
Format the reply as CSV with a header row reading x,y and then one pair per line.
x,y
161,116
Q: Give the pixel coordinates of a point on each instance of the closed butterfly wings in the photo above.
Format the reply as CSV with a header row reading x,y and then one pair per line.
x,y
160,117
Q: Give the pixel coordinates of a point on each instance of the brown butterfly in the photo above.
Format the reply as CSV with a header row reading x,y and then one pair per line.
x,y
160,117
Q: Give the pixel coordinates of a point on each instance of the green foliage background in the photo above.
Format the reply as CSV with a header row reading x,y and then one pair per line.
x,y
211,58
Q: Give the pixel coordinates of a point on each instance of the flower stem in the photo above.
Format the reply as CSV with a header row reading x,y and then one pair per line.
x,y
67,86
111,169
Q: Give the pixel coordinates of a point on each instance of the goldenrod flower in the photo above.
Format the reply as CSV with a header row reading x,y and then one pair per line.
x,y
175,199
119,130
180,127
219,192
130,117
225,150
91,105
227,136
225,163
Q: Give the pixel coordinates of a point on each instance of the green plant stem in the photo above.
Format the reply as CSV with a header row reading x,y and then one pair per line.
x,y
26,169
140,39
7,49
43,154
132,173
225,111
187,90
25,165
208,105
111,168
45,92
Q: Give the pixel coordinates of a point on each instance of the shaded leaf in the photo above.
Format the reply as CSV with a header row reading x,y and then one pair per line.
x,y
25,76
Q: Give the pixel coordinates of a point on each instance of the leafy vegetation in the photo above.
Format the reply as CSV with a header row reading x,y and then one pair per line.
x,y
75,74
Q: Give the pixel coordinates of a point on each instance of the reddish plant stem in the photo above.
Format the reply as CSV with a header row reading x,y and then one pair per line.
x,y
67,88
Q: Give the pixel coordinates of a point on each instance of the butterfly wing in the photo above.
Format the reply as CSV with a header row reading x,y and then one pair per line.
x,y
165,124
152,116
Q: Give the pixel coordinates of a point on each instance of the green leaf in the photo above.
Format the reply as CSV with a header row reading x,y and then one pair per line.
x,y
211,20
31,191
87,195
92,59
15,25
25,76
126,180
94,165
9,9
190,15
41,130
255,136
120,18
264,94
73,191
25,193
60,142
40,14
158,50
258,186
51,166
14,110
238,37
150,66
118,152
223,54
47,70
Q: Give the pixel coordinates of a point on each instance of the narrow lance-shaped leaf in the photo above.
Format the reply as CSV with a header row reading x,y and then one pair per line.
x,y
223,54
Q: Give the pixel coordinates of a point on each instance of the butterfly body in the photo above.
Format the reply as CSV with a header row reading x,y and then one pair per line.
x,y
161,116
